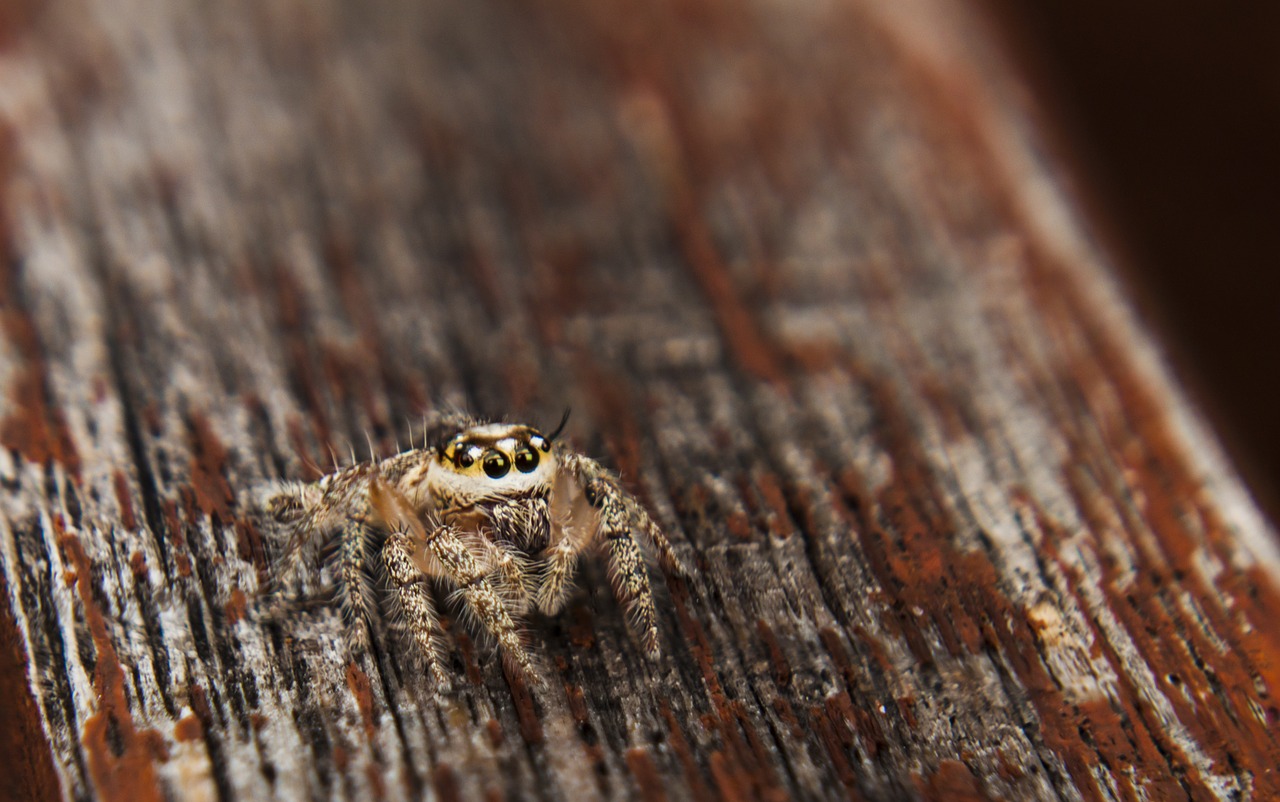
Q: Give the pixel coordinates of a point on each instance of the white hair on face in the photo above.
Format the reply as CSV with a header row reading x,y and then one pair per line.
x,y
491,430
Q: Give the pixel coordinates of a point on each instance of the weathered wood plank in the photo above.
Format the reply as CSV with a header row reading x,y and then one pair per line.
x,y
808,282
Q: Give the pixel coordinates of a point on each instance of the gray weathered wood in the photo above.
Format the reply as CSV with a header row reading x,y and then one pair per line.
x,y
807,280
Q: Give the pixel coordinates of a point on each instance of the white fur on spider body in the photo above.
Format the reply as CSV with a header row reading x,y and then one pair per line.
x,y
498,512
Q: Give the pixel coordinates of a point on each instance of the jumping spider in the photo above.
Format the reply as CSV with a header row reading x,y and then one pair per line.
x,y
497,511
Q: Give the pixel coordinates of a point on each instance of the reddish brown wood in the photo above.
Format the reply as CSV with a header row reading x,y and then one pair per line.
x,y
809,281
28,761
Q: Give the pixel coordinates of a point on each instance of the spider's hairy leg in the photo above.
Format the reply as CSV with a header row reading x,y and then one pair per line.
x,y
307,515
519,529
355,593
571,530
512,569
589,473
666,554
458,565
621,519
569,538
298,522
619,515
292,507
290,501
416,609
557,578
627,570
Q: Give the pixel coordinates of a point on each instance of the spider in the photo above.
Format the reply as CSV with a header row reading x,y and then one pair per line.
x,y
497,511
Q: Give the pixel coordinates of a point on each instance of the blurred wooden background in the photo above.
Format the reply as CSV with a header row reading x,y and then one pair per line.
x,y
815,282
1171,113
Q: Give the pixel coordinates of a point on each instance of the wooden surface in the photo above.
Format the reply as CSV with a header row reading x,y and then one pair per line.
x,y
808,280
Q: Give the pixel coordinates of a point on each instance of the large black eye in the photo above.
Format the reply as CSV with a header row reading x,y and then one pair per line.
x,y
526,459
496,464
463,457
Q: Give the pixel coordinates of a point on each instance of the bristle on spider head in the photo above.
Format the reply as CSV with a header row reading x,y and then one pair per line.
x,y
564,419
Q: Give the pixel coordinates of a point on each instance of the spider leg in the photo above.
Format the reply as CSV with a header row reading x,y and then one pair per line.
x,y
517,531
512,570
454,560
354,591
590,474
560,559
627,570
479,595
291,508
306,515
666,555
413,600
557,578
619,518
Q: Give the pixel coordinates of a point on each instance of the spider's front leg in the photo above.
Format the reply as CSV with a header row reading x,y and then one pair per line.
x,y
512,569
413,598
620,517
558,567
626,564
455,562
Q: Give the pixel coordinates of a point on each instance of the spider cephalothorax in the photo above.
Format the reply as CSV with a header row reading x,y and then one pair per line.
x,y
497,511
504,474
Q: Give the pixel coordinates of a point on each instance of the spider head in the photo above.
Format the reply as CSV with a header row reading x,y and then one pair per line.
x,y
495,459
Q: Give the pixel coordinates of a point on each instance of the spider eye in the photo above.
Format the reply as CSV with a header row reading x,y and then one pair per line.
x,y
496,464
463,458
526,460
542,443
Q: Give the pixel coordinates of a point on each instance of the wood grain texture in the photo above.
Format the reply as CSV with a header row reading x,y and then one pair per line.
x,y
808,281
